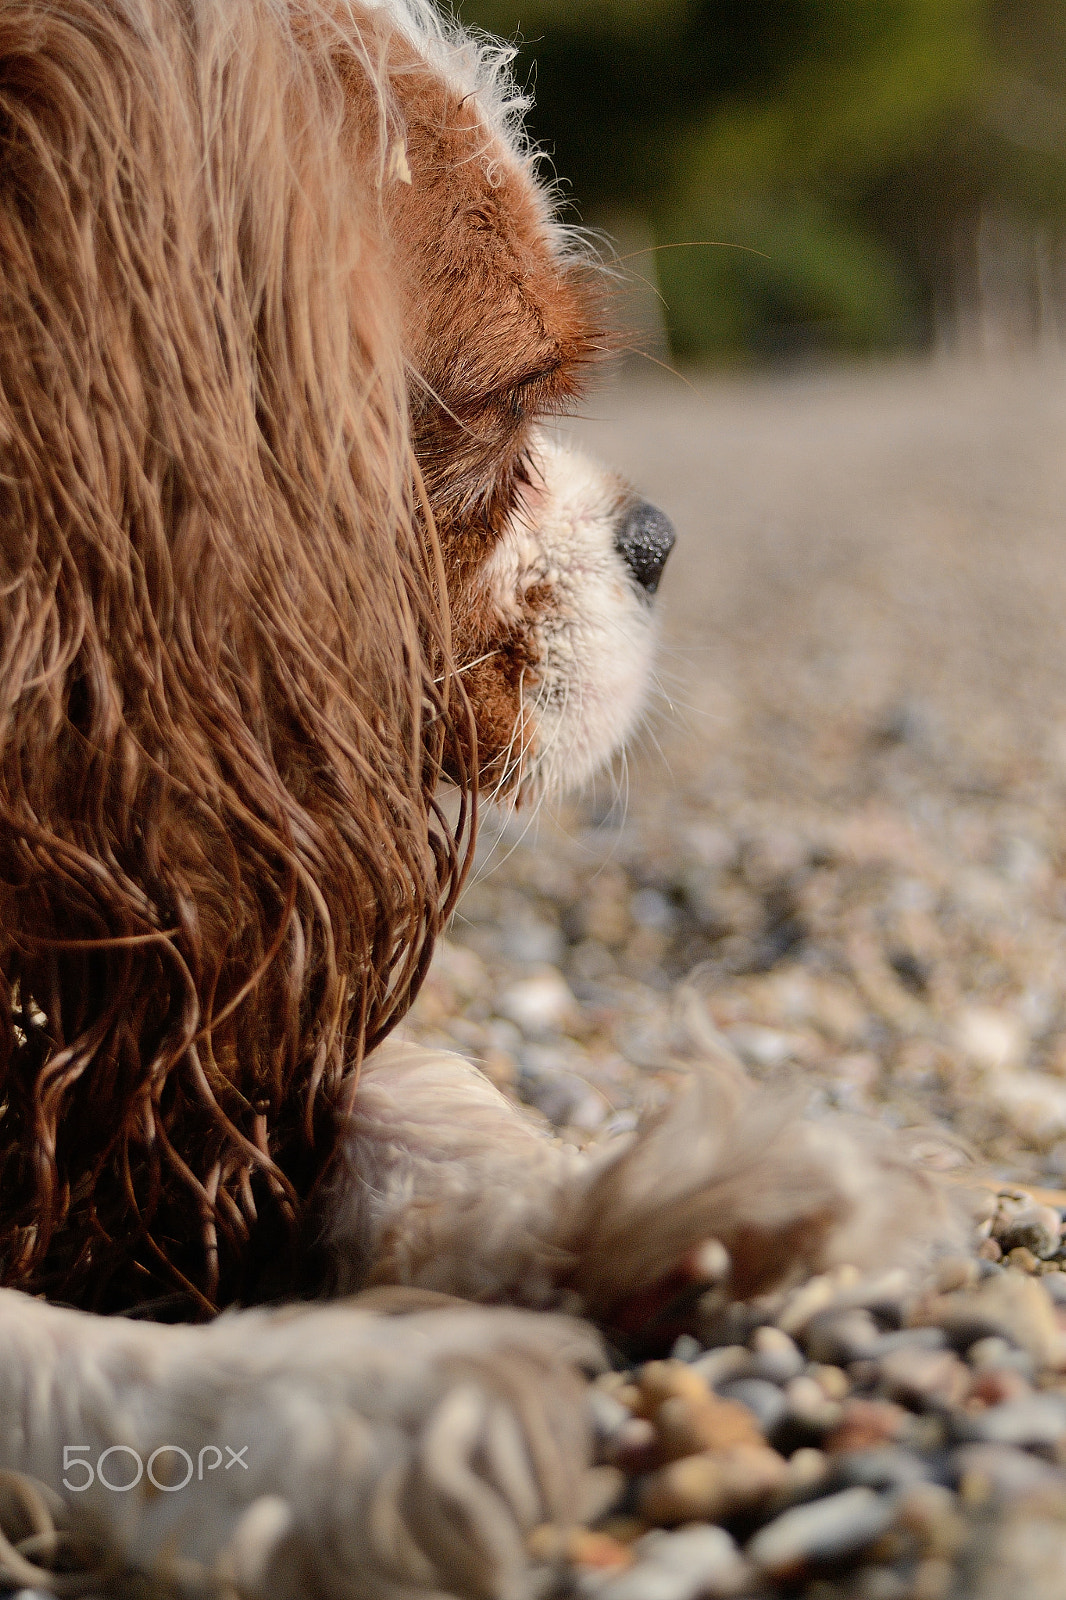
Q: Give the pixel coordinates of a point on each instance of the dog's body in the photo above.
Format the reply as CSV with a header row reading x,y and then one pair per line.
x,y
284,545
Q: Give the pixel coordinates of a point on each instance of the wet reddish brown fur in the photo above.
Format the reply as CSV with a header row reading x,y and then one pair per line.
x,y
221,864
501,330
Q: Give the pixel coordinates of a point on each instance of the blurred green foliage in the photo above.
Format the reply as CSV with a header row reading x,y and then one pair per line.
x,y
853,149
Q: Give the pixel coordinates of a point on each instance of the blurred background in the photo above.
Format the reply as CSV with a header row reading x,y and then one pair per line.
x,y
878,174
844,820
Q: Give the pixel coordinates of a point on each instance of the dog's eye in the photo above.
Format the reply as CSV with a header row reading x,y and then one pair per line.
x,y
534,392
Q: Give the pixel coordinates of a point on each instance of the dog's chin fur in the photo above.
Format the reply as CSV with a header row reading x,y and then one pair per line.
x,y
590,632
284,315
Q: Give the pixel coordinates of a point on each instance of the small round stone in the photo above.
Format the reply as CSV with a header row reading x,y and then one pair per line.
x,y
1024,1224
1008,1305
721,1365
884,1467
867,1423
700,1560
1033,1421
810,1415
659,1381
687,1427
929,1512
552,1544
908,1339
997,1353
762,1398
837,1337
991,1386
822,1530
833,1381
919,1378
712,1486
774,1355
1003,1474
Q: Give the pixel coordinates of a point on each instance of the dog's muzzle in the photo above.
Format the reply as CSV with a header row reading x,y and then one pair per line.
x,y
644,538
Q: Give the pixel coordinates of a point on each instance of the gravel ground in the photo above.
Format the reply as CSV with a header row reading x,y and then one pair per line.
x,y
846,821
845,828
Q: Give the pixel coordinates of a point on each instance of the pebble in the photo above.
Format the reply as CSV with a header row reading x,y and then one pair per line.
x,y
687,1427
809,1409
993,1385
995,1353
762,1398
582,1547
539,1005
712,1486
808,1470
805,1302
992,1039
700,1560
866,1423
659,1381
822,1530
956,1272
928,1512
1022,1223
1033,1421
565,1099
882,1467
837,1337
908,1339
1010,1304
724,1364
1006,1474
919,1378
775,1356
833,1381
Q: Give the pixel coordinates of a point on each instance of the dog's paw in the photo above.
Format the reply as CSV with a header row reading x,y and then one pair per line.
x,y
726,1185
378,1455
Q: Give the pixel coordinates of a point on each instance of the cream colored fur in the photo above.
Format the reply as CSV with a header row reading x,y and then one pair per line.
x,y
408,1454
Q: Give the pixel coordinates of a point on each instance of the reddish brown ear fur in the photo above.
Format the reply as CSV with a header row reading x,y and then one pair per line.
x,y
221,865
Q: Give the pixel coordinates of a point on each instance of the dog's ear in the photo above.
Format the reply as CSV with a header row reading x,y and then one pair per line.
x,y
221,632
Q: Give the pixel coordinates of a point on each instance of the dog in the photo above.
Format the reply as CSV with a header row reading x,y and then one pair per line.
x,y
289,550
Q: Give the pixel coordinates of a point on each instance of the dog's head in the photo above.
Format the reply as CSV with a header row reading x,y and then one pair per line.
x,y
283,315
551,561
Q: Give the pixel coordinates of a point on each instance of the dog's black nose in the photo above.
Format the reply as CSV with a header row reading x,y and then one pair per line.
x,y
644,539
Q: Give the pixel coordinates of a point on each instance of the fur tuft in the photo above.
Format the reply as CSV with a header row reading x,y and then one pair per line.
x,y
222,864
